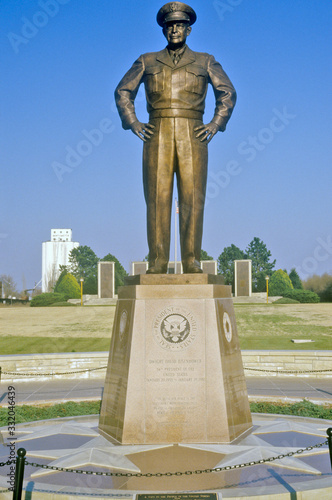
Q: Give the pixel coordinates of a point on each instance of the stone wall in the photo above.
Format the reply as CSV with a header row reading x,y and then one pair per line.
x,y
54,363
306,361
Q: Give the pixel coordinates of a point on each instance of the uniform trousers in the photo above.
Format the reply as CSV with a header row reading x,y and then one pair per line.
x,y
172,151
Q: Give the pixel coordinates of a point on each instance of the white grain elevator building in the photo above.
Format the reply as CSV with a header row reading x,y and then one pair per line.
x,y
55,253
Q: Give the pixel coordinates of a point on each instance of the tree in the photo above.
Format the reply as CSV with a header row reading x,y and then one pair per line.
x,y
226,263
63,272
326,294
9,287
261,265
279,283
295,279
69,287
120,271
205,256
84,263
317,283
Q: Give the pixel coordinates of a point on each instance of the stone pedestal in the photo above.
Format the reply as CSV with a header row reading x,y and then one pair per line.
x,y
175,370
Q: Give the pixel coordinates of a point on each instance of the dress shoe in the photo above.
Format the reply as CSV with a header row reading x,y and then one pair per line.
x,y
192,269
157,270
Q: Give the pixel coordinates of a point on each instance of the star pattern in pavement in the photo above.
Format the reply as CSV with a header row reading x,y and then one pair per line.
x,y
100,453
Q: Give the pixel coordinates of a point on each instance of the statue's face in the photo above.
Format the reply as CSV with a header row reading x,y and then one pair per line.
x,y
176,33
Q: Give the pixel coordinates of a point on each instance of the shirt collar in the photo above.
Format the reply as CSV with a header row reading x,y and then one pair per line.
x,y
178,52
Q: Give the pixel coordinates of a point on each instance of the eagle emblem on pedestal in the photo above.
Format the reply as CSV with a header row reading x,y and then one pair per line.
x,y
175,328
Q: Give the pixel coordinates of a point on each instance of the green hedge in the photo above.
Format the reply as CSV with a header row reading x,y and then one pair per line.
x,y
286,300
303,408
47,299
303,296
26,413
62,304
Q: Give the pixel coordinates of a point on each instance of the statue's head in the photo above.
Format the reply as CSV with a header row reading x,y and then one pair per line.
x,y
176,11
176,19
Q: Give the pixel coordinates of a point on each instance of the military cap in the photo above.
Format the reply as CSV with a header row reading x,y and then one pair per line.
x,y
176,11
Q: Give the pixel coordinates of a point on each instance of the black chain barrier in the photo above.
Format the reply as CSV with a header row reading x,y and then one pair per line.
x,y
21,463
170,474
39,374
286,371
9,462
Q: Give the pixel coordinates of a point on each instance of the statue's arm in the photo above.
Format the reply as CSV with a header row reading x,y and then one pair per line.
x,y
125,94
224,92
225,101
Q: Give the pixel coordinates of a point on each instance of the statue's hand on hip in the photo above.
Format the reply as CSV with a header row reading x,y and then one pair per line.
x,y
206,132
143,130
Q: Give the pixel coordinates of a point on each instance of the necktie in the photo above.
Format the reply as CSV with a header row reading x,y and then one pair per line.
x,y
176,58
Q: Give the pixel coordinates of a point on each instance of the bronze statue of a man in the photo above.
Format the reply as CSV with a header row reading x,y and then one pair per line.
x,y
175,139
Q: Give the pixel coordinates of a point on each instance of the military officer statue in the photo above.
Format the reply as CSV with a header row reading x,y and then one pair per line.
x,y
175,139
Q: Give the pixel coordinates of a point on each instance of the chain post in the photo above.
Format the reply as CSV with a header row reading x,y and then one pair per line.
x,y
19,474
329,433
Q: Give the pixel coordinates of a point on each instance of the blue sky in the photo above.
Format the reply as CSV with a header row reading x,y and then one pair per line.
x,y
269,173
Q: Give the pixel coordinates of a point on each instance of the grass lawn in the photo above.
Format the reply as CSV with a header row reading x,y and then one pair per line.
x,y
32,345
30,330
268,326
25,330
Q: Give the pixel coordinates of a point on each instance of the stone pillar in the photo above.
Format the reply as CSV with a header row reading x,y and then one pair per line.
x,y
175,371
209,266
139,267
242,278
106,280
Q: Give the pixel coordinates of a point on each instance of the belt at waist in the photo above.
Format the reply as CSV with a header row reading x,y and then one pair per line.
x,y
176,113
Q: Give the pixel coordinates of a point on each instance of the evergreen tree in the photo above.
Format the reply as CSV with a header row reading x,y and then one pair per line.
x,y
69,287
226,263
261,265
63,273
205,256
326,294
84,263
295,279
279,283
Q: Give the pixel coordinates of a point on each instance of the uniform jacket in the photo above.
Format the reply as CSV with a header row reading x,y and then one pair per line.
x,y
176,90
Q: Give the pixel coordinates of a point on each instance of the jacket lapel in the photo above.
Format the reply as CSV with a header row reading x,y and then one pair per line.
x,y
187,58
164,57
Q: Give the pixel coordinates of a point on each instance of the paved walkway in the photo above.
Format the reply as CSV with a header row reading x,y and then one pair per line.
x,y
259,388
